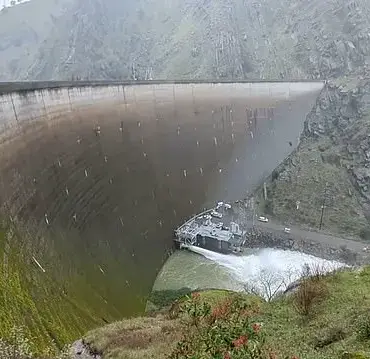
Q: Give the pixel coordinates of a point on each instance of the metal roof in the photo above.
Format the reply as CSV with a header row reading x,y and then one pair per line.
x,y
213,232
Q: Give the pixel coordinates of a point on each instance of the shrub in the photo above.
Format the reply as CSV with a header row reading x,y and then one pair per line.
x,y
274,175
18,346
222,332
363,326
65,353
354,355
311,291
195,309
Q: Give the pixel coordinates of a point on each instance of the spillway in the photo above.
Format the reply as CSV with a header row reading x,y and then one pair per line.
x,y
95,177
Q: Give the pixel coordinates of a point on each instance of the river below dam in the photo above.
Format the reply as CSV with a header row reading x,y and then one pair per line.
x,y
256,268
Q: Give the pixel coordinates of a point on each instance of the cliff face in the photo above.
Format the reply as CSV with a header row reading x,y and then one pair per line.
x,y
331,166
342,114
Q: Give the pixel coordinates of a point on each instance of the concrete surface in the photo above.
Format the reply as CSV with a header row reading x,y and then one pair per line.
x,y
95,178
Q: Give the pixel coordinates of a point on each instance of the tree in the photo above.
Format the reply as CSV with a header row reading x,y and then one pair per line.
x,y
269,283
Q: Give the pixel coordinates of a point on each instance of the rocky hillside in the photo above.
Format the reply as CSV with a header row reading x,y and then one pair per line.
x,y
331,166
145,39
228,39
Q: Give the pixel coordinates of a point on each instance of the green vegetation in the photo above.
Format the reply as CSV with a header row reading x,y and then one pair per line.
x,y
29,299
311,173
163,298
54,307
326,317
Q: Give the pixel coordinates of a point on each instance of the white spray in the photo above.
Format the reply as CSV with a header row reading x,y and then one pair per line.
x,y
266,267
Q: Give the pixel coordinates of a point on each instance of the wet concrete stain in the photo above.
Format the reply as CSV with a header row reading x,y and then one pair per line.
x,y
98,189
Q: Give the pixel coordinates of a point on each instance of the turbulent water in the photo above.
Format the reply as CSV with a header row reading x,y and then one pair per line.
x,y
265,271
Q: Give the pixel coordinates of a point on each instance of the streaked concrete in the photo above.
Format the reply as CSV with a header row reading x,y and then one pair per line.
x,y
96,177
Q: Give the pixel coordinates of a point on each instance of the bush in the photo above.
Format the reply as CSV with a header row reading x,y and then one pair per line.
x,y
18,346
274,175
354,355
222,332
311,291
363,326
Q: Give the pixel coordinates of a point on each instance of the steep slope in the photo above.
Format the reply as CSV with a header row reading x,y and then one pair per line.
x,y
147,39
330,168
23,28
192,39
142,41
320,320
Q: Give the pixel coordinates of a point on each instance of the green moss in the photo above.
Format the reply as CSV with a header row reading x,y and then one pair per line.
x,y
57,306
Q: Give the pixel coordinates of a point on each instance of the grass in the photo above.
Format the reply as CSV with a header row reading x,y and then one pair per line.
x,y
145,337
149,337
336,325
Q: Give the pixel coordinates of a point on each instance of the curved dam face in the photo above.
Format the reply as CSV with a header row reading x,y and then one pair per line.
x,y
96,176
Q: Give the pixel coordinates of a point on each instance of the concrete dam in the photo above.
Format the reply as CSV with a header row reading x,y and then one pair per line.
x,y
96,176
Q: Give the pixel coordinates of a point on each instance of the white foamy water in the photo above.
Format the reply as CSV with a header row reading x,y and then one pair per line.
x,y
266,270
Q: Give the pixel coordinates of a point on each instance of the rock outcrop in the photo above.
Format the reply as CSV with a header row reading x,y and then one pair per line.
x,y
331,166
81,350
343,115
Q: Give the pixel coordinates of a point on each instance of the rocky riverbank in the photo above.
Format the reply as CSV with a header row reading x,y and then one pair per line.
x,y
262,237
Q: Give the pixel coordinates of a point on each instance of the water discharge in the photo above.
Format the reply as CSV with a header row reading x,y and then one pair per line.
x,y
263,270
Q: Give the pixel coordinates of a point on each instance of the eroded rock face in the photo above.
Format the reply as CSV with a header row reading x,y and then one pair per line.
x,y
331,166
343,116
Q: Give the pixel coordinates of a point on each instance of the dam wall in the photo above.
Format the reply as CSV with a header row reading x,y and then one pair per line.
x,y
94,178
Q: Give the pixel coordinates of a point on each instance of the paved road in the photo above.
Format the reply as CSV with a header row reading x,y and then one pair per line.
x,y
306,235
311,236
327,240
